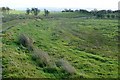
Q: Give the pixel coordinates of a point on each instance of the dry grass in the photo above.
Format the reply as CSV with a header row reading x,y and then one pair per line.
x,y
42,58
26,41
66,66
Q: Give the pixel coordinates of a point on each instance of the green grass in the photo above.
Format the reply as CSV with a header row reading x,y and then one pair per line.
x,y
16,12
69,14
90,45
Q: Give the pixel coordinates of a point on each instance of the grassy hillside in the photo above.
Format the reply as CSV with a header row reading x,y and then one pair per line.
x,y
90,45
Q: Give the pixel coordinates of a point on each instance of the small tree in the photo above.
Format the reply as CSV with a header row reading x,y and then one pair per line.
x,y
35,11
94,12
109,11
28,11
76,10
112,16
3,9
46,12
108,16
32,10
7,9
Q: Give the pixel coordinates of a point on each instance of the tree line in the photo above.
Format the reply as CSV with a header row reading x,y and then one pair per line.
x,y
5,9
36,11
33,11
96,13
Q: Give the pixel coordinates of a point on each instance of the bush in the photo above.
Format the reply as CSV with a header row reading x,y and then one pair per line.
x,y
26,42
113,16
42,58
66,66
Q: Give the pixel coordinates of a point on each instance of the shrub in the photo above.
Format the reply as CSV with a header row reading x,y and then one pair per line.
x,y
66,66
26,41
113,16
42,58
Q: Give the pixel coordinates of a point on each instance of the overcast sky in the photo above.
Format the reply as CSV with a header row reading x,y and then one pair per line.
x,y
82,4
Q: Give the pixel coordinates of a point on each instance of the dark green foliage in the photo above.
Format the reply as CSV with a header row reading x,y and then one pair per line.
x,y
100,16
35,11
67,10
112,16
5,9
50,69
28,11
108,16
46,12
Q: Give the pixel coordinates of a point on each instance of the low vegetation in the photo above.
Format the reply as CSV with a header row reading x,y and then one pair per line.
x,y
26,42
61,45
42,58
66,66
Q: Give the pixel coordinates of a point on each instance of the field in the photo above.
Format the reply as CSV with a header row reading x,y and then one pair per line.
x,y
88,44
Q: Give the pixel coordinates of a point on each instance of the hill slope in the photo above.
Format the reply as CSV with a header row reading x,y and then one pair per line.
x,y
90,45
